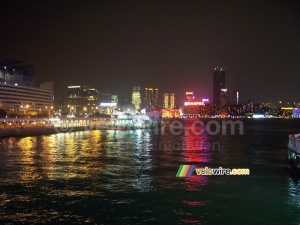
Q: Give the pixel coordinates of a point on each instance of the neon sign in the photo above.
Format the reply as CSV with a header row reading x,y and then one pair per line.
x,y
194,103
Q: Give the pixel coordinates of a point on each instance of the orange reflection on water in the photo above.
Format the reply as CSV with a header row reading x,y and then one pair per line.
x,y
60,156
28,159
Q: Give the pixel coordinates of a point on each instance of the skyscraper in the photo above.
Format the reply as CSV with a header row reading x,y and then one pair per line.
x,y
237,97
75,99
166,100
224,97
136,97
151,98
169,101
218,84
172,101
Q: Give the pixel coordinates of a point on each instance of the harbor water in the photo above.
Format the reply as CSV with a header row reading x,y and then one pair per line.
x,y
129,177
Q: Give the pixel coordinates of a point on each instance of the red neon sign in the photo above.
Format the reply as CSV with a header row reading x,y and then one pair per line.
x,y
194,103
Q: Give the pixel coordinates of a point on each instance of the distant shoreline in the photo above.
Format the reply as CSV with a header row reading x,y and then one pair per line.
x,y
35,131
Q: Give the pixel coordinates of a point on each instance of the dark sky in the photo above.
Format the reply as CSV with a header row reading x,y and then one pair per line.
x,y
172,45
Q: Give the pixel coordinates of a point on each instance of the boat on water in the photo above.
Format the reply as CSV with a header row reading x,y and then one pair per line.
x,y
293,156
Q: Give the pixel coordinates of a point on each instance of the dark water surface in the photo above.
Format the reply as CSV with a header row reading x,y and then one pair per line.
x,y
129,177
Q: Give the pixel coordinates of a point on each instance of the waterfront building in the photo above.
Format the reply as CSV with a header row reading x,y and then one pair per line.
x,y
75,99
151,98
136,97
107,108
108,104
170,113
90,99
107,97
20,94
192,107
169,101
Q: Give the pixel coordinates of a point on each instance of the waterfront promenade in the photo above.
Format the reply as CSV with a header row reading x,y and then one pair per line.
x,y
43,126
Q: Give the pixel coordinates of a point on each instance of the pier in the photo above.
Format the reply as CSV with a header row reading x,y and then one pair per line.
x,y
40,126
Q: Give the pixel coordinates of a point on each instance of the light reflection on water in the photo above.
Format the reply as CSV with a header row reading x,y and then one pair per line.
x,y
108,177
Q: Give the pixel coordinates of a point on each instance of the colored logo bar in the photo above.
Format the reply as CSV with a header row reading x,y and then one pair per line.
x,y
185,170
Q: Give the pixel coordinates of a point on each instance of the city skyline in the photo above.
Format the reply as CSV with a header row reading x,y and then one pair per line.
x,y
168,45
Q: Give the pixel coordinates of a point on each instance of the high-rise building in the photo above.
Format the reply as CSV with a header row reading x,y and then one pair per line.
x,y
90,99
166,99
218,84
151,98
75,99
82,100
224,97
237,97
136,97
169,101
172,101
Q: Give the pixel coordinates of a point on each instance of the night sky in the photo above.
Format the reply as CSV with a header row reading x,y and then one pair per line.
x,y
172,45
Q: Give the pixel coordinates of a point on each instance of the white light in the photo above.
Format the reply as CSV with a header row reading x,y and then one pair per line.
x,y
258,116
73,86
108,104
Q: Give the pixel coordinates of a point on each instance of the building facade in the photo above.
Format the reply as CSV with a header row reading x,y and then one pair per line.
x,y
169,100
83,100
136,97
192,107
75,99
151,98
218,84
19,92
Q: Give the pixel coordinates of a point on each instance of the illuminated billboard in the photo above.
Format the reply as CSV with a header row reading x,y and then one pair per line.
x,y
193,103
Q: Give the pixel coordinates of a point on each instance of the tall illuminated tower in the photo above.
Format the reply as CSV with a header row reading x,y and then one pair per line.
x,y
237,97
169,100
166,100
172,101
151,98
136,97
218,84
